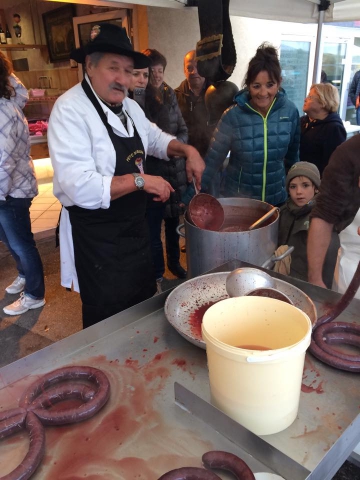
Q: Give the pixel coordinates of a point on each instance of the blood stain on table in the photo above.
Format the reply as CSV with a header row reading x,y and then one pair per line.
x,y
311,379
180,362
196,317
312,388
129,438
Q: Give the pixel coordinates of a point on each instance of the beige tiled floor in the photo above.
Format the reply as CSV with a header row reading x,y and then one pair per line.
x,y
44,210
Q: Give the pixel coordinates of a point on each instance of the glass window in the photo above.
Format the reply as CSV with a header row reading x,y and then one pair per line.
x,y
333,64
355,66
294,59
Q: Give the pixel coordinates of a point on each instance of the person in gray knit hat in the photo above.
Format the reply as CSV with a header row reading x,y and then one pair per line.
x,y
302,184
304,169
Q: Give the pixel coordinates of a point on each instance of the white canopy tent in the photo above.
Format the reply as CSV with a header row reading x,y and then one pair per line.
x,y
299,11
302,11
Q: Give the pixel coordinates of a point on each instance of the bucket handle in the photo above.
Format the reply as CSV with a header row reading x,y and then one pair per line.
x,y
179,228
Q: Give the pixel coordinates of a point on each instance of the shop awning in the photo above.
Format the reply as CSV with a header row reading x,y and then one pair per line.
x,y
302,11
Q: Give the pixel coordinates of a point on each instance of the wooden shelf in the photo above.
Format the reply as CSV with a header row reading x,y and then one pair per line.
x,y
17,46
44,98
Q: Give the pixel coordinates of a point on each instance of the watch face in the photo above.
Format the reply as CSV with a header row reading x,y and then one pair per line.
x,y
139,182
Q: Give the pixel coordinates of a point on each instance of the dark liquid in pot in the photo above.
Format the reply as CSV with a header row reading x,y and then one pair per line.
x,y
239,219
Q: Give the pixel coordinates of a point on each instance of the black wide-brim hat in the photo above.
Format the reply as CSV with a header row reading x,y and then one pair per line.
x,y
109,38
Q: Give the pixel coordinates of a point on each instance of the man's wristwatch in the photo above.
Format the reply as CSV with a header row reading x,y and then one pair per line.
x,y
139,181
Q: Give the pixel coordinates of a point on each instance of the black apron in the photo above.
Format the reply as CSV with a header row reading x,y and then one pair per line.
x,y
111,246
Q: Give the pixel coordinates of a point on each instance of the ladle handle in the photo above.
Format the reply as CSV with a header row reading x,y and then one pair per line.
x,y
263,218
195,187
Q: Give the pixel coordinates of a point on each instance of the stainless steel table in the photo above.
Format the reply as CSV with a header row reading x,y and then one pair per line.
x,y
142,432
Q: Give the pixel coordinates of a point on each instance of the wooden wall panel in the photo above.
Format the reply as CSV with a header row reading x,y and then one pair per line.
x,y
141,27
62,79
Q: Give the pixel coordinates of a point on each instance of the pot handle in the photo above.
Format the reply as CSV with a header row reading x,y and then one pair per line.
x,y
276,259
179,228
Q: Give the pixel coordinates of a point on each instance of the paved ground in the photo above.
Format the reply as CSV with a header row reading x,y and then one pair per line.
x,y
60,317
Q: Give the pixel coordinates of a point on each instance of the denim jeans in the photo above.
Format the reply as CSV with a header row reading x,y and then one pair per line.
x,y
358,115
15,232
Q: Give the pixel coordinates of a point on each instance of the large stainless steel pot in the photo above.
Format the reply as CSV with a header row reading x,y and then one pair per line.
x,y
206,249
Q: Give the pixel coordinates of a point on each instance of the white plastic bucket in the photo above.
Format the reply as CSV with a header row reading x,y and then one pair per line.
x,y
260,389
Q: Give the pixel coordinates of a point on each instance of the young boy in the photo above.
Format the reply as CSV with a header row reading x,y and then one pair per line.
x,y
302,184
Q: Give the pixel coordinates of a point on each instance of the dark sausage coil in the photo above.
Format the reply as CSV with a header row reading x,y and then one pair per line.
x,y
45,393
36,450
93,402
228,461
327,333
189,473
214,459
334,334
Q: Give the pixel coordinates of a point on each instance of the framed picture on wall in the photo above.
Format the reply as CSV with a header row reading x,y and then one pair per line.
x,y
59,32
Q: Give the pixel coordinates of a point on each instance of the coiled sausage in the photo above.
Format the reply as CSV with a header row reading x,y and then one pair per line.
x,y
228,461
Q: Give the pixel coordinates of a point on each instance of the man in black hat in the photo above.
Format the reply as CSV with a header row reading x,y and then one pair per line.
x,y
98,141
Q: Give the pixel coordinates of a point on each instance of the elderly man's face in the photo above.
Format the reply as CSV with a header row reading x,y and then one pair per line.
x,y
111,77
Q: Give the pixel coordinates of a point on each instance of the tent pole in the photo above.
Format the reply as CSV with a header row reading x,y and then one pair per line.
x,y
318,49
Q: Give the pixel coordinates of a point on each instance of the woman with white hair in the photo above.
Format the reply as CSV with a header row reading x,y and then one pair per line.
x,y
322,129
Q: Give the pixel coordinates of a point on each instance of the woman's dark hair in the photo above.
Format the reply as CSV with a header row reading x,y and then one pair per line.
x,y
155,56
6,90
152,100
266,59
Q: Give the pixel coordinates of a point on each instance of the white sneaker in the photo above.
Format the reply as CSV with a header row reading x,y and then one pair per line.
x,y
23,304
17,286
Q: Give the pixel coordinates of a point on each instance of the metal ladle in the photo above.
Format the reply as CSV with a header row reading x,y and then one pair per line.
x,y
205,211
263,218
242,281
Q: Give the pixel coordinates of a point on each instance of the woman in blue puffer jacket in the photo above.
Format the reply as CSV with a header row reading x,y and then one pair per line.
x,y
262,133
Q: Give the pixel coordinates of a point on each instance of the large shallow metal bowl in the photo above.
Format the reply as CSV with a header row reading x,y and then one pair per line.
x,y
186,303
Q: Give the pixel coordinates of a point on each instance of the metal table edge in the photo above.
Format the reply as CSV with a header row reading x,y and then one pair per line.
x,y
67,346
251,443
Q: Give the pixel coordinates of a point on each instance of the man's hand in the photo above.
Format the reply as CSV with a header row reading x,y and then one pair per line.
x,y
319,237
195,165
158,187
123,184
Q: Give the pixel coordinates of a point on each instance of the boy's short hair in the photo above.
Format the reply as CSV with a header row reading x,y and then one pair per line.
x,y
304,169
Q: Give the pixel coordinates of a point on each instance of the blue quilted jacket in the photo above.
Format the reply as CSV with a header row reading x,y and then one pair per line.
x,y
261,149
